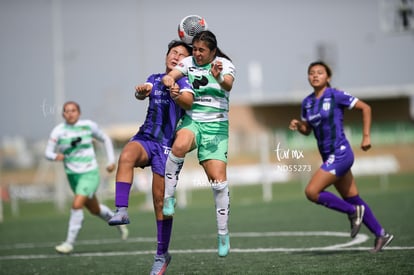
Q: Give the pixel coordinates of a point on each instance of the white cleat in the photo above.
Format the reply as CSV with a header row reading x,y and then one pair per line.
x,y
124,231
64,248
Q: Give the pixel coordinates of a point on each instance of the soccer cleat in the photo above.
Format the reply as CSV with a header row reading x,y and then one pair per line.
x,y
124,231
381,242
64,248
356,219
120,217
161,263
168,207
223,245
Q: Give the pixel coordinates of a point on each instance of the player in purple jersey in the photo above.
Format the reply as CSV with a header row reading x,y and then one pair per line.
x,y
150,147
323,112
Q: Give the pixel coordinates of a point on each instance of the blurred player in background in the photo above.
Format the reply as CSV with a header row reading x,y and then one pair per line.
x,y
151,144
205,127
323,112
72,143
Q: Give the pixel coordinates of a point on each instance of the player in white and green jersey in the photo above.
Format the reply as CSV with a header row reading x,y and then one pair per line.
x,y
72,143
211,101
205,127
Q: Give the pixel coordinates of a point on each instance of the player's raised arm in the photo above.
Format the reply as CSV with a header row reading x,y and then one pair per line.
x,y
142,91
169,79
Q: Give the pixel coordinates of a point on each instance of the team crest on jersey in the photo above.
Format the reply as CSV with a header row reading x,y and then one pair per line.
x,y
326,106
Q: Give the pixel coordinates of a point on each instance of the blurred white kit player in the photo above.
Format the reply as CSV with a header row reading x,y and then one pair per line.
x,y
72,143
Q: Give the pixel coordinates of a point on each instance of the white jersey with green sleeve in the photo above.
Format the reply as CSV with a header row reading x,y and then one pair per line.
x,y
211,101
75,142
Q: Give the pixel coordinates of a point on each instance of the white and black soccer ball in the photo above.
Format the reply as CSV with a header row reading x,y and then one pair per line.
x,y
190,26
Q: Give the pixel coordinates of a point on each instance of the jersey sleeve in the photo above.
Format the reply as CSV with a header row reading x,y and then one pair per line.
x,y
185,85
150,80
302,113
50,152
305,102
228,67
345,99
184,64
103,137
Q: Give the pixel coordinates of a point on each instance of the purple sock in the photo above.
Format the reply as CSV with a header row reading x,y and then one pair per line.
x,y
333,202
369,219
122,193
164,228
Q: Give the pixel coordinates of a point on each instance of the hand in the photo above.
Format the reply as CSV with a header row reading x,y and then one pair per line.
x,y
168,81
60,157
366,147
294,125
366,143
216,68
142,91
175,91
110,168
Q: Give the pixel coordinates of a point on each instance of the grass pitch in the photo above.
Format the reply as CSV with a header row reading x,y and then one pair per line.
x,y
288,235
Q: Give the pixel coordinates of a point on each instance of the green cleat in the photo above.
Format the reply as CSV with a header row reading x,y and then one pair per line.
x,y
223,245
168,207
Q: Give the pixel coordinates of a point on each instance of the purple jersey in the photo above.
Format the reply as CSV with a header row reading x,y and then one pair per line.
x,y
163,113
325,116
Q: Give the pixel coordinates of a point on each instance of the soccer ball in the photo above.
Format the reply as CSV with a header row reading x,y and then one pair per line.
x,y
190,26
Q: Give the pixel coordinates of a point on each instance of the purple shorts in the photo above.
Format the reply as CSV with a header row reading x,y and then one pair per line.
x,y
340,162
157,154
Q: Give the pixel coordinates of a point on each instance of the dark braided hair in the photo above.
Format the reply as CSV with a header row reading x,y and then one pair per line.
x,y
210,39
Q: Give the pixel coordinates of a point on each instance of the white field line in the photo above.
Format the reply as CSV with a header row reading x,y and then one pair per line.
x,y
359,239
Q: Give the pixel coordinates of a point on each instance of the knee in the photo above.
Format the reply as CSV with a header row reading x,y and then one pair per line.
x,y
179,150
126,158
181,147
77,204
311,194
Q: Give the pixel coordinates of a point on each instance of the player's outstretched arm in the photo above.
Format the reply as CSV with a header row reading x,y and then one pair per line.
x,y
225,81
185,100
169,79
183,97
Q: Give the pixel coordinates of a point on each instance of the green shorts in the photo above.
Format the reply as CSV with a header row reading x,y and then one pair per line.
x,y
211,138
84,184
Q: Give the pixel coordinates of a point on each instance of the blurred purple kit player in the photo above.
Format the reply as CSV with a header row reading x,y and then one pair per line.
x,y
325,116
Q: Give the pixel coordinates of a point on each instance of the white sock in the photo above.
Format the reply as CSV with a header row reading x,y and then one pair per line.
x,y
172,170
75,224
222,201
105,213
